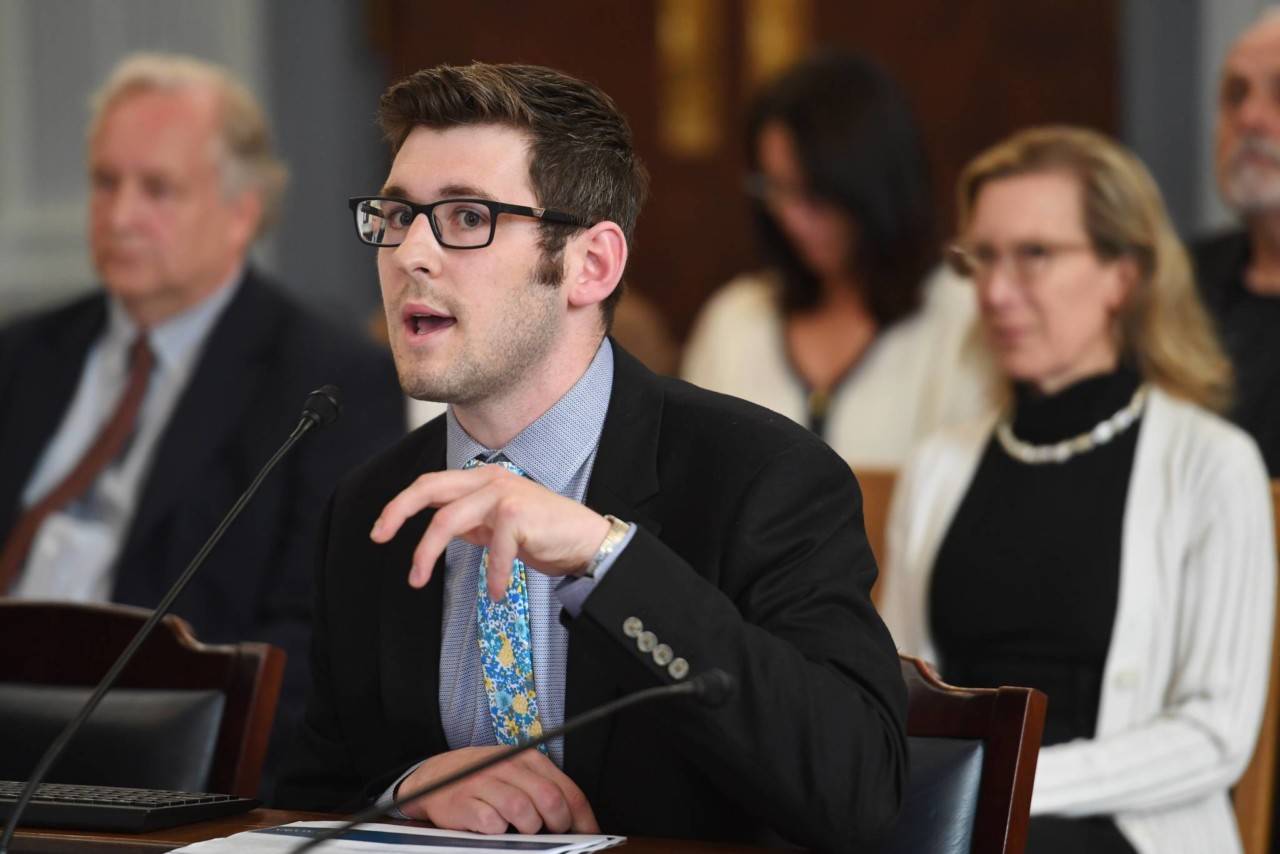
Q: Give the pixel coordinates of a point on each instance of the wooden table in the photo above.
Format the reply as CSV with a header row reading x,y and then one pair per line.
x,y
47,841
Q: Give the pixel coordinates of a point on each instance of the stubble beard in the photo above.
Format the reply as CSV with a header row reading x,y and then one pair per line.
x,y
516,346
1250,188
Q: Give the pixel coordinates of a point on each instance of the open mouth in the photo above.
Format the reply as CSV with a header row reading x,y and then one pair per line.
x,y
421,321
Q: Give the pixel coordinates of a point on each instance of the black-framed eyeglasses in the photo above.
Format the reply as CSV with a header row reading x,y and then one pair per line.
x,y
456,223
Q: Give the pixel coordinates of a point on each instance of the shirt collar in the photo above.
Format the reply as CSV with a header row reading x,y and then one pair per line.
x,y
175,342
554,447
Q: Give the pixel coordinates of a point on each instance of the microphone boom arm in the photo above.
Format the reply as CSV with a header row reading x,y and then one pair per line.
x,y
712,687
309,419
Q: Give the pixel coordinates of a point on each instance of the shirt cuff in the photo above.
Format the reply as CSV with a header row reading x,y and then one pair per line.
x,y
573,591
389,796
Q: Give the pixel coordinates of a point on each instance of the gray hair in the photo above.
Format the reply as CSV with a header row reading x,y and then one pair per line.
x,y
244,151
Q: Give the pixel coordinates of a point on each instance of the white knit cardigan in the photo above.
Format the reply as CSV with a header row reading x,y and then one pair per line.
x,y
1186,673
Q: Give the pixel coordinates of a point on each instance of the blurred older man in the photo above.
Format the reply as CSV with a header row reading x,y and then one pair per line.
x,y
1239,271
131,419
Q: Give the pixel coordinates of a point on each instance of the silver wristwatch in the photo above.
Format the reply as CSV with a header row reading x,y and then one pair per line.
x,y
617,532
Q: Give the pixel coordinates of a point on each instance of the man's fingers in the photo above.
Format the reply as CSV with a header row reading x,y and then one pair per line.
x,y
527,792
454,520
503,546
429,490
542,792
511,801
480,817
581,818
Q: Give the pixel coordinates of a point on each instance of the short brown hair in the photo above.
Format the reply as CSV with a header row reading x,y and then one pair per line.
x,y
582,160
1163,329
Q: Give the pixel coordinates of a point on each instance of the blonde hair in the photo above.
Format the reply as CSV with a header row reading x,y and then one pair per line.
x,y
1163,329
244,151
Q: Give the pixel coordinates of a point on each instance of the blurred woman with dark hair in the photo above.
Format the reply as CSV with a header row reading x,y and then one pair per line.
x,y
843,333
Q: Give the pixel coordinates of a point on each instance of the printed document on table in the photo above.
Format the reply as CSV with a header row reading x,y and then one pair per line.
x,y
398,839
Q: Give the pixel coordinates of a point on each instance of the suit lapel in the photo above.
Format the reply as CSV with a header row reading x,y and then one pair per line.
x,y
43,386
624,478
409,647
209,411
624,483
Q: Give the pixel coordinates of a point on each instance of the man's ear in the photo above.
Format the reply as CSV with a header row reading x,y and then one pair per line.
x,y
248,210
595,260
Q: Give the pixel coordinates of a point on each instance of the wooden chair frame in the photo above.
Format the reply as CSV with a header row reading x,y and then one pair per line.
x,y
1009,721
56,643
1255,791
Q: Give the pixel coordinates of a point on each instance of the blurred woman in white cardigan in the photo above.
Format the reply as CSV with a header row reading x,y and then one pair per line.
x,y
1105,536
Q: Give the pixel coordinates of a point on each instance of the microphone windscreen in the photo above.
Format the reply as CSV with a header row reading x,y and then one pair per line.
x,y
323,405
714,687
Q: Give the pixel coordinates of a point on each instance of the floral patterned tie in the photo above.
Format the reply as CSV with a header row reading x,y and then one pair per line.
x,y
506,652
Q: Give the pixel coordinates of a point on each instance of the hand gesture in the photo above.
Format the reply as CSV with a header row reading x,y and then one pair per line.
x,y
493,507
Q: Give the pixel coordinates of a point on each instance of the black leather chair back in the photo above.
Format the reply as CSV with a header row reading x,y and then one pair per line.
x,y
149,739
941,800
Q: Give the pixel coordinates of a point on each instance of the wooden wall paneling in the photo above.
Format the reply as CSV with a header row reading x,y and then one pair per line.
x,y
975,71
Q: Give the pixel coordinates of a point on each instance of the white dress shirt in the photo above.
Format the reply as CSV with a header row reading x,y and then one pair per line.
x,y
74,551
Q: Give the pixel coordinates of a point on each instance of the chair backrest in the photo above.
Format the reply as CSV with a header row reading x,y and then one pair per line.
x,y
973,763
877,492
1256,788
183,715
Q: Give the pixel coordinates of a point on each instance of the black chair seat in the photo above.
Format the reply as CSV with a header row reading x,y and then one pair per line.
x,y
941,798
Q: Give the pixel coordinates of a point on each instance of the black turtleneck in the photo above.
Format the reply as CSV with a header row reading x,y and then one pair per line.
x,y
1026,580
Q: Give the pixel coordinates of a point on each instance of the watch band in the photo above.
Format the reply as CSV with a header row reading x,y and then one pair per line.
x,y
617,532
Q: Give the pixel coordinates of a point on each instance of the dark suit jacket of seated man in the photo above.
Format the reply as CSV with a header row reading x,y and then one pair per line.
x,y
262,357
750,556
182,181
745,548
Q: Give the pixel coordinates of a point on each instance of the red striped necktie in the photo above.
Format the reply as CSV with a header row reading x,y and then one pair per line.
x,y
108,444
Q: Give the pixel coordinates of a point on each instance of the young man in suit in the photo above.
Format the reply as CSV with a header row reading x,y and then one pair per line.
x,y
575,528
131,419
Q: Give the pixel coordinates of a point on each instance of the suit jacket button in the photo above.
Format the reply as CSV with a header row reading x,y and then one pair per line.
x,y
678,669
662,655
646,641
632,627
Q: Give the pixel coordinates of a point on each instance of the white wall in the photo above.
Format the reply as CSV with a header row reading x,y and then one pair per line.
x,y
309,62
53,54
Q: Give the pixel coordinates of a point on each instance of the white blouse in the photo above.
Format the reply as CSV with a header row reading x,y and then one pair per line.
x,y
925,371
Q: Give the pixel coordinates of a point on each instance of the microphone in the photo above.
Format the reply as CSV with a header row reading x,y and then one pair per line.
x,y
712,688
322,406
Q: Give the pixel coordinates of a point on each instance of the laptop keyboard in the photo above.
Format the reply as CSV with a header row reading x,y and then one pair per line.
x,y
84,807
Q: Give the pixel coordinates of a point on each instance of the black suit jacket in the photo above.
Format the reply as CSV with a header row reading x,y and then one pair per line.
x,y
750,556
262,357
1247,324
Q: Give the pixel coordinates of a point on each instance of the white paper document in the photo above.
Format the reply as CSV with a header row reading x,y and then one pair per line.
x,y
398,839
